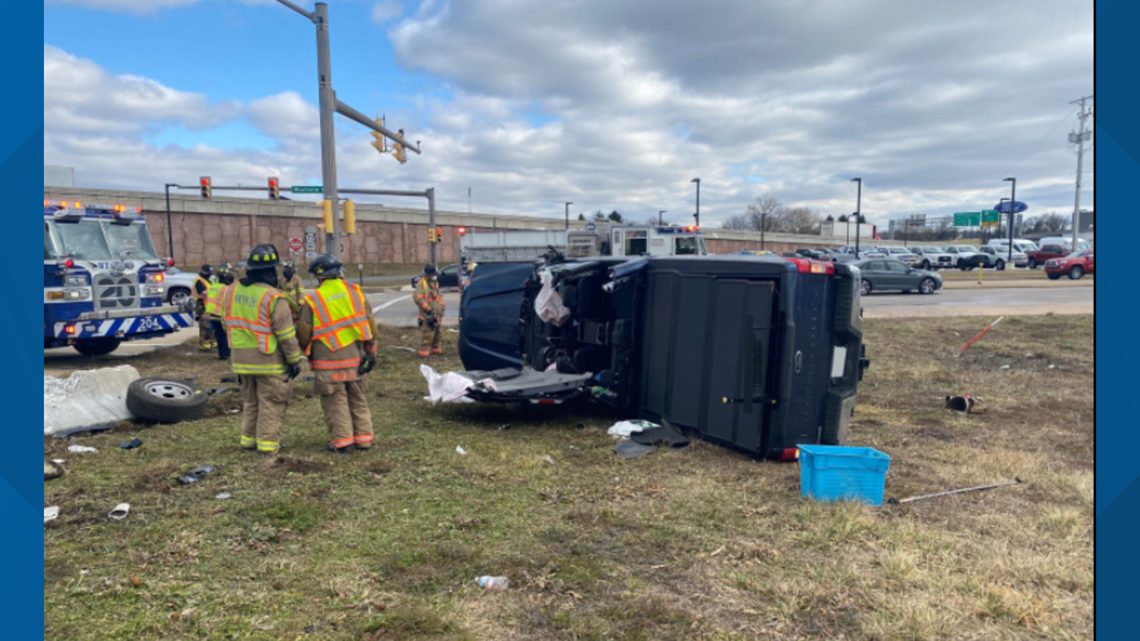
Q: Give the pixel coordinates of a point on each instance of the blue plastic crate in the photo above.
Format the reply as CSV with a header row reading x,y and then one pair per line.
x,y
833,473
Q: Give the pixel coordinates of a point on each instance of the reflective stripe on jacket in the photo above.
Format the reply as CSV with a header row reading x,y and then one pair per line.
x,y
340,318
205,287
214,299
428,298
248,311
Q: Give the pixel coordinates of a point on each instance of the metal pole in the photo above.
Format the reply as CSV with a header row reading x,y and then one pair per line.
x,y
169,228
568,215
431,221
661,217
1080,170
1012,208
328,109
697,216
763,224
858,212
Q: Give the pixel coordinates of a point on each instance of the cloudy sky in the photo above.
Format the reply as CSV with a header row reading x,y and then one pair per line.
x,y
608,104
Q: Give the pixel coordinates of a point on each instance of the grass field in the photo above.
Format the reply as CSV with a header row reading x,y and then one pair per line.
x,y
701,544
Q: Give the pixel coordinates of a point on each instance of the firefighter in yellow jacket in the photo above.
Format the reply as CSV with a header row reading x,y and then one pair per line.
x,y
216,292
430,302
264,349
338,329
290,284
201,293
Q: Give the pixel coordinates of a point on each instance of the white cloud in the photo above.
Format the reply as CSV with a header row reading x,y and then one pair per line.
x,y
386,10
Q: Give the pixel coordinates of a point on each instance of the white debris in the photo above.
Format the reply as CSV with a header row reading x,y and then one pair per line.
x,y
91,397
121,511
548,304
50,513
446,388
81,449
460,451
625,428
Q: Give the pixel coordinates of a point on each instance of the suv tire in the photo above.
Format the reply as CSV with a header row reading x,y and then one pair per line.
x,y
166,400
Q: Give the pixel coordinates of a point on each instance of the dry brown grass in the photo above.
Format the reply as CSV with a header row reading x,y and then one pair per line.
x,y
701,544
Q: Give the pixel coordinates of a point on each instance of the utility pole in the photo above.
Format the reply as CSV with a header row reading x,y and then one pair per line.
x,y
329,105
169,229
661,218
568,214
1079,139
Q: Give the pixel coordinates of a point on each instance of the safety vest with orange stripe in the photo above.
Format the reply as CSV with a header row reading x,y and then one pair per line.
x,y
428,298
340,318
248,317
206,287
214,299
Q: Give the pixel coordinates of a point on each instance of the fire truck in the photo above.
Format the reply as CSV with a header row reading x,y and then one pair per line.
x,y
103,280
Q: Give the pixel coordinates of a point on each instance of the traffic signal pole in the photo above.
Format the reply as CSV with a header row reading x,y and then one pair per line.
x,y
329,105
429,194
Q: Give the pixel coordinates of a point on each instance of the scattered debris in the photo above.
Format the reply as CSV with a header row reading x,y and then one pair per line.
x,y
81,449
459,450
504,427
966,403
625,428
92,429
230,379
196,474
628,448
499,583
980,334
667,434
402,348
220,390
446,388
223,496
53,470
452,331
120,512
979,488
1004,367
86,398
131,444
548,459
1052,366
50,513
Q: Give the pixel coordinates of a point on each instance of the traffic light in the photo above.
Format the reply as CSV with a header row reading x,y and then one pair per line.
x,y
439,234
327,215
431,234
462,230
205,182
381,143
274,188
349,217
398,150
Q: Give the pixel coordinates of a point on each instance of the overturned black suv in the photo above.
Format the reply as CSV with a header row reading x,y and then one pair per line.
x,y
755,352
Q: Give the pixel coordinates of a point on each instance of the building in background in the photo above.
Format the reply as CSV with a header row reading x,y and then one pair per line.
x,y
59,176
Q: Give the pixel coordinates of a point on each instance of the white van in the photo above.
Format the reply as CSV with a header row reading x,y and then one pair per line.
x,y
1019,244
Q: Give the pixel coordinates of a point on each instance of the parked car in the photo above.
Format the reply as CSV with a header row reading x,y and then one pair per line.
x,y
1019,244
901,254
179,285
965,256
931,257
448,276
756,252
882,274
1051,250
754,352
1075,265
996,257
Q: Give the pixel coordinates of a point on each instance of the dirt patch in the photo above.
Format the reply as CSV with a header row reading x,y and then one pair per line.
x,y
380,467
156,477
301,466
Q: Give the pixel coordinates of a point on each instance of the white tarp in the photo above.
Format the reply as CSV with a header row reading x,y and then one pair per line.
x,y
625,428
90,397
446,388
548,304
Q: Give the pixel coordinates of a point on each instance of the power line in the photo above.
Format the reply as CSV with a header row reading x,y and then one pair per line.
x,y
1038,143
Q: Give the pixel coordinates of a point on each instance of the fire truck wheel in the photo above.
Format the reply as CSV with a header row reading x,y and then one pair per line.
x,y
166,400
97,346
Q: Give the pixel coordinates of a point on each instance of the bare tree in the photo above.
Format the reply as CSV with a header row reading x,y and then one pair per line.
x,y
739,221
797,220
762,211
1047,223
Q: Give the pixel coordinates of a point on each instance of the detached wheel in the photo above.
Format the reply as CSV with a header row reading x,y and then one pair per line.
x,y
97,346
166,401
1075,272
1000,265
927,286
866,287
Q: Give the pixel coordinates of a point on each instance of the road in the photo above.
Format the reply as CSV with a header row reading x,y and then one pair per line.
x,y
961,299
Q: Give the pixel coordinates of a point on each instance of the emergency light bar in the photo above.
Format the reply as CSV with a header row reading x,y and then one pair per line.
x,y
93,208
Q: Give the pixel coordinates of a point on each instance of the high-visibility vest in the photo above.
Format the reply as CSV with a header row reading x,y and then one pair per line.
x,y
340,316
249,312
214,299
205,283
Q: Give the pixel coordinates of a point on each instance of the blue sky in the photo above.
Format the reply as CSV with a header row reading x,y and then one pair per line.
x,y
531,103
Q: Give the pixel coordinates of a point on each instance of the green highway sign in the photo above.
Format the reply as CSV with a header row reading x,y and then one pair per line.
x,y
314,189
967,218
990,218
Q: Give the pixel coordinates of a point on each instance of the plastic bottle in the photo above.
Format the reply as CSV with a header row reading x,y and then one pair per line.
x,y
493,582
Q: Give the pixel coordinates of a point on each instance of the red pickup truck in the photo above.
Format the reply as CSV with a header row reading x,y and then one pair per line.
x,y
1075,265
1047,252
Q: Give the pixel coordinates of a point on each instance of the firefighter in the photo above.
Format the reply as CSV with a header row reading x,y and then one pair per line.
x,y
430,302
265,353
339,332
201,292
216,293
290,284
